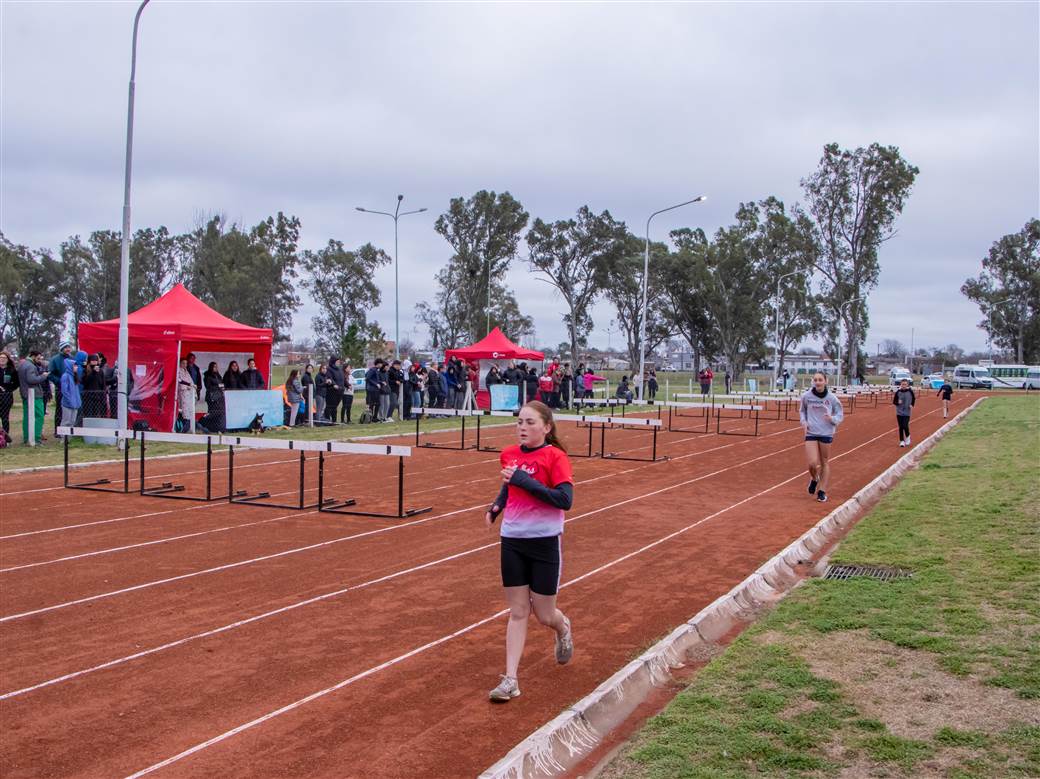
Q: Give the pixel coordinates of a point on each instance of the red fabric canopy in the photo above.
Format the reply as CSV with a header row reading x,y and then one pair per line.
x,y
494,346
179,315
161,333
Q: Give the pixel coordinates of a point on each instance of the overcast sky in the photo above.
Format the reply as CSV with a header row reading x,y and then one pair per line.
x,y
248,108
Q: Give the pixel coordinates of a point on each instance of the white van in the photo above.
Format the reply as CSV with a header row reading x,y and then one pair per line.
x,y
897,375
1032,381
973,376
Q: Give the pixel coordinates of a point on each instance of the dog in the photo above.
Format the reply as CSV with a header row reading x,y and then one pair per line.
x,y
256,427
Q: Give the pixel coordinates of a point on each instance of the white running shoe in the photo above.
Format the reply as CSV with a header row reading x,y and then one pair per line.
x,y
507,690
902,444
565,645
908,440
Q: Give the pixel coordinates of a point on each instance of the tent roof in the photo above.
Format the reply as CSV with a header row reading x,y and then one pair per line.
x,y
494,346
179,314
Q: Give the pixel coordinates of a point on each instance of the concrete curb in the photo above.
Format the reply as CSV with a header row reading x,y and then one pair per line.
x,y
561,743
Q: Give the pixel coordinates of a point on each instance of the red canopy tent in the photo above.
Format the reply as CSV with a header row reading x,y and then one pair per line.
x,y
494,346
492,349
160,334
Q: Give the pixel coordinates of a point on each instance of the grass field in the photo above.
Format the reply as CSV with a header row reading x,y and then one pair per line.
x,y
934,675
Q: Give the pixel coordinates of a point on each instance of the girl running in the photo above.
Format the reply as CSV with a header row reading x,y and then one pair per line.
x,y
537,488
904,400
820,413
946,391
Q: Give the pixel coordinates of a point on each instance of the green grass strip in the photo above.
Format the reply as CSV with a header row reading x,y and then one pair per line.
x,y
967,622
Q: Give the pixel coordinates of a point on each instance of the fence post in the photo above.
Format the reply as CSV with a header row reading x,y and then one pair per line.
x,y
30,411
310,405
691,385
666,386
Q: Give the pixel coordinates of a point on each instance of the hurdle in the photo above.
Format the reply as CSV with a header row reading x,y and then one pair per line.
x,y
603,403
98,485
168,489
673,415
447,412
558,417
753,412
279,444
621,422
335,506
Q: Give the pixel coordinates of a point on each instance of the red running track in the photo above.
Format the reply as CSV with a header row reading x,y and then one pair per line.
x,y
143,636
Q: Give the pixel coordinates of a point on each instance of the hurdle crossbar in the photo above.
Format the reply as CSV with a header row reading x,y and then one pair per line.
x,y
336,506
446,412
168,489
98,485
262,498
674,409
753,413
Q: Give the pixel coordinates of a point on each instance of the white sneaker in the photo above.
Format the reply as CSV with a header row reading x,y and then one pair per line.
x,y
565,645
902,444
908,440
507,690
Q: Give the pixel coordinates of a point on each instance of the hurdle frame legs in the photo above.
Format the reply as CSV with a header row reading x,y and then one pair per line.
x,y
334,506
720,431
241,497
173,491
95,486
613,456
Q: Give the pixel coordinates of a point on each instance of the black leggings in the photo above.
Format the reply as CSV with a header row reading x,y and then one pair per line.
x,y
344,413
904,427
6,401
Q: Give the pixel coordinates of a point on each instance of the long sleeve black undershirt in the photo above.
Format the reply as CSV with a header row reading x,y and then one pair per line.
x,y
561,496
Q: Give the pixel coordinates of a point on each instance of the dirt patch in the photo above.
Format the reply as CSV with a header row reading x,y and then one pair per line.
x,y
908,691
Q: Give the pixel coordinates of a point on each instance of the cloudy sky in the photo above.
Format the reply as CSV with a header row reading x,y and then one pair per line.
x,y
313,108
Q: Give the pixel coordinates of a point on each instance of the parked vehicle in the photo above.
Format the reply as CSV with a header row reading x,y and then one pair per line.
x,y
972,376
357,378
1010,376
897,375
933,380
1032,381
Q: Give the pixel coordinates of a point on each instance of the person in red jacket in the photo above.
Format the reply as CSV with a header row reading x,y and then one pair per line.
x,y
537,488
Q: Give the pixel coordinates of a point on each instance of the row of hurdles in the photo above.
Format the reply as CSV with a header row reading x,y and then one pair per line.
x,y
168,489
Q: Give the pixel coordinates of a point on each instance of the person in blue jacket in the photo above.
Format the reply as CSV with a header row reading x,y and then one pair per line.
x,y
55,369
71,400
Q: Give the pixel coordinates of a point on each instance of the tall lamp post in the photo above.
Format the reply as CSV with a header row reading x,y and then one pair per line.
x,y
646,273
123,358
397,214
776,331
841,308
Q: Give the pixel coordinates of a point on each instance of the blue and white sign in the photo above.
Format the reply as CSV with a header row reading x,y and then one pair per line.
x,y
505,397
240,406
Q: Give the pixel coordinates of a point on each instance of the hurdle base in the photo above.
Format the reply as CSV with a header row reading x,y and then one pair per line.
x,y
332,506
243,498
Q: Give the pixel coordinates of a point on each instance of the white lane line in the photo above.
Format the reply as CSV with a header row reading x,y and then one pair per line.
x,y
461,631
388,577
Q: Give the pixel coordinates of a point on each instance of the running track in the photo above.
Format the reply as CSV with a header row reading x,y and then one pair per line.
x,y
152,637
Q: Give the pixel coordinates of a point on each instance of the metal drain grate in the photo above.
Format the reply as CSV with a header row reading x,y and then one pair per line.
x,y
882,572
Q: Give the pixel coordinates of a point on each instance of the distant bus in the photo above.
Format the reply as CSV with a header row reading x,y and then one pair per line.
x,y
1010,376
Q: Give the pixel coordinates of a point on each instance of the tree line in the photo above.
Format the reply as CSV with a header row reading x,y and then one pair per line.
x,y
718,292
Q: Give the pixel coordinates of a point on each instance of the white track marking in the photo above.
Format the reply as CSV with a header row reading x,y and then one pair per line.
x,y
387,577
461,631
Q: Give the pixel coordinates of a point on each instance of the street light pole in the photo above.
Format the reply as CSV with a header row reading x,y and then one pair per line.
x,y
646,273
396,215
841,308
776,342
123,357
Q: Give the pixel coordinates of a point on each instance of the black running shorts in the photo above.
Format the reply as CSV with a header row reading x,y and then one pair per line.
x,y
532,562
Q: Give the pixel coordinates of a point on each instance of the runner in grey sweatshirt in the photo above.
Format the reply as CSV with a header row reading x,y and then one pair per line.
x,y
904,399
820,413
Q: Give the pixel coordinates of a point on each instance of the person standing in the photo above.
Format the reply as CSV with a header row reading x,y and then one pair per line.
x,y
904,399
567,385
293,394
334,389
71,399
348,396
383,375
252,379
946,393
820,414
307,382
651,385
94,388
196,374
433,385
185,395
233,377
33,375
321,386
395,383
588,381
537,488
704,378
557,386
213,386
8,385
55,370
728,377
